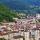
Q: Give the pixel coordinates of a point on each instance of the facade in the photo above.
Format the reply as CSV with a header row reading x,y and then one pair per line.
x,y
38,16
35,35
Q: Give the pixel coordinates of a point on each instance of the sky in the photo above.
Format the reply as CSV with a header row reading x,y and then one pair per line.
x,y
25,5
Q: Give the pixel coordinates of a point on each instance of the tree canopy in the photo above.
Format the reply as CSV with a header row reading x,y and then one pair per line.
x,y
6,13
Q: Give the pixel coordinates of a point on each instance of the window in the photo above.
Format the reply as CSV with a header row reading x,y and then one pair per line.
x,y
33,33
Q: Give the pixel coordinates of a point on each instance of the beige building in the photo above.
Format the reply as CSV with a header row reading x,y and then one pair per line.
x,y
35,35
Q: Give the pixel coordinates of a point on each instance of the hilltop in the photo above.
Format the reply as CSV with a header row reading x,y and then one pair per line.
x,y
6,13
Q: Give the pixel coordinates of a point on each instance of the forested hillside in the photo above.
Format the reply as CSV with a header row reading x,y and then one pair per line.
x,y
6,13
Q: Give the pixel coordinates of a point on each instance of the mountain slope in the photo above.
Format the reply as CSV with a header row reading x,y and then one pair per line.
x,y
6,13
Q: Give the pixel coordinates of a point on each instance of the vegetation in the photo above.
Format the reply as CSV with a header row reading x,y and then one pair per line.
x,y
6,14
39,20
2,39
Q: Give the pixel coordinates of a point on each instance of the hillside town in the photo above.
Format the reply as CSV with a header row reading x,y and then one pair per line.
x,y
22,29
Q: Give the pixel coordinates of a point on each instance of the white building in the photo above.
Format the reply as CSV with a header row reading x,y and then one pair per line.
x,y
38,16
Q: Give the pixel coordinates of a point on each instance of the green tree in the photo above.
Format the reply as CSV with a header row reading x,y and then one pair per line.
x,y
2,39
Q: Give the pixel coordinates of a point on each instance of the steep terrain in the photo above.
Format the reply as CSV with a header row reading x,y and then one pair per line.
x,y
6,13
